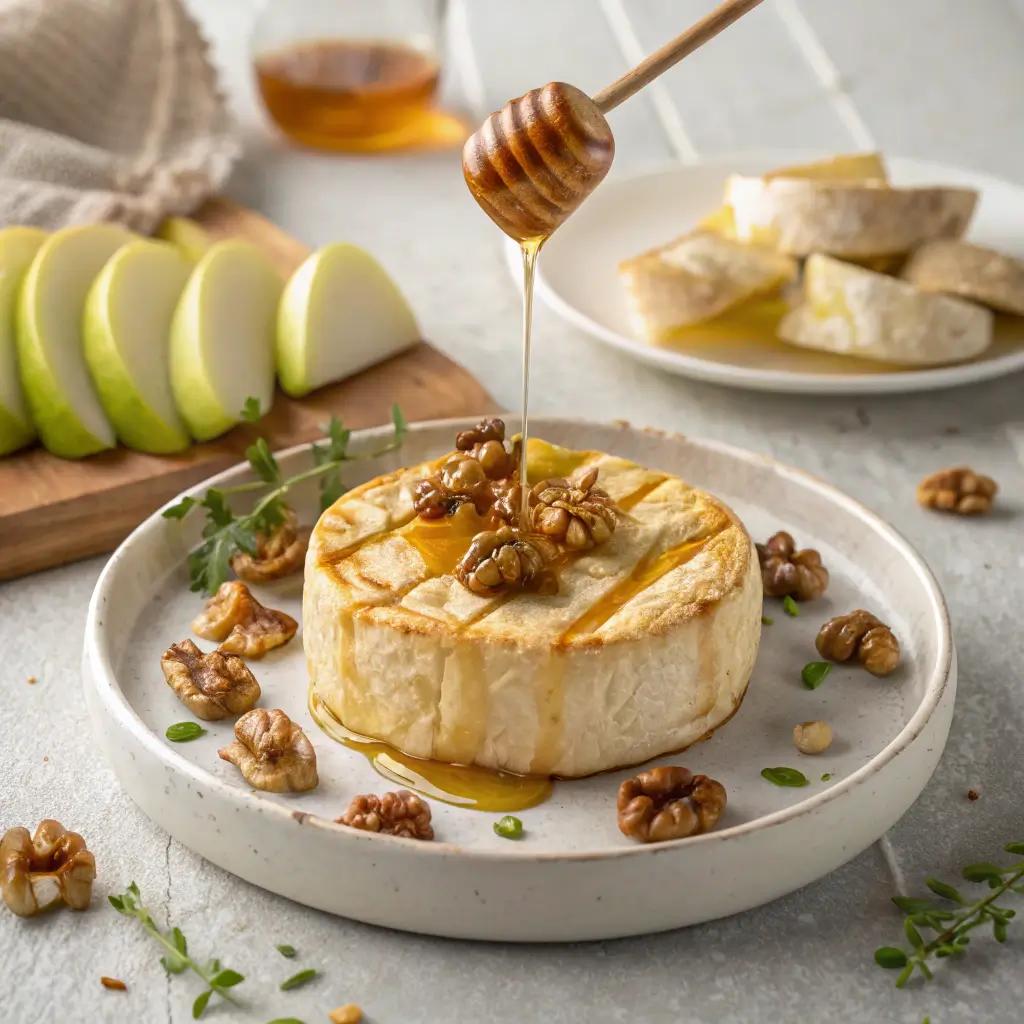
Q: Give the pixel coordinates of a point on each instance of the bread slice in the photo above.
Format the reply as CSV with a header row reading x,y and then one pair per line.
x,y
647,647
694,278
852,311
971,272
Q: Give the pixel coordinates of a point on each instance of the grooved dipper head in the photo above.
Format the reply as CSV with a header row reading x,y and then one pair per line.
x,y
531,164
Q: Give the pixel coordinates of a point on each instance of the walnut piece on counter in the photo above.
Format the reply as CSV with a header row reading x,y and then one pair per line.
x,y
958,490
243,626
53,866
812,737
863,635
280,554
785,571
272,753
501,560
577,514
400,813
212,686
669,803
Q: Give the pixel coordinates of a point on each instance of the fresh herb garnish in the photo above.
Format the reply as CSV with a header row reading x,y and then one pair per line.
x,y
251,410
789,606
826,777
226,535
177,959
298,980
288,951
287,1020
765,621
182,732
784,776
952,926
509,827
814,672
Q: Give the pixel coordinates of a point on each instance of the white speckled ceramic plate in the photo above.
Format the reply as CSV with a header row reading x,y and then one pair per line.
x,y
577,278
573,876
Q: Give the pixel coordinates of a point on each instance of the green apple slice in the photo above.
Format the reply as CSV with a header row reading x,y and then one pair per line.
x,y
59,392
187,235
340,313
127,328
18,247
222,338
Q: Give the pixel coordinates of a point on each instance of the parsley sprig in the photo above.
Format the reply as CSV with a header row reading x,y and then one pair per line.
x,y
218,980
952,926
226,535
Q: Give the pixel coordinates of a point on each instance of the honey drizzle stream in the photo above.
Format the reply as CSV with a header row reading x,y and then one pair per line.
x,y
468,786
530,249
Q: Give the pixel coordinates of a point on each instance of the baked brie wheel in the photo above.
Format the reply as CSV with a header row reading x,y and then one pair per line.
x,y
647,647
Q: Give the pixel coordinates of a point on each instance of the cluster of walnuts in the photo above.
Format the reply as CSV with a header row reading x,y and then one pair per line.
x,y
530,531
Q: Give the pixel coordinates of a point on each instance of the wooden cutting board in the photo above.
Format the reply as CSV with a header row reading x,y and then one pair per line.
x,y
54,511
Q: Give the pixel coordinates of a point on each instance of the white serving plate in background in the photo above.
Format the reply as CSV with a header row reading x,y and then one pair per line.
x,y
577,276
573,876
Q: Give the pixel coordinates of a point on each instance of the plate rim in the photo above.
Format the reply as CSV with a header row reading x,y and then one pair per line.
x,y
101,676
744,378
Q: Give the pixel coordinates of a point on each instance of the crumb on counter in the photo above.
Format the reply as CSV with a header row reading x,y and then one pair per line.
x,y
32,680
973,794
114,983
348,1014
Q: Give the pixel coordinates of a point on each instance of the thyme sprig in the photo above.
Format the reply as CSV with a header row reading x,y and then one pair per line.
x,y
952,926
218,979
226,535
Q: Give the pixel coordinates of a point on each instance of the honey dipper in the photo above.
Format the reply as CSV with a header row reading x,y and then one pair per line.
x,y
531,164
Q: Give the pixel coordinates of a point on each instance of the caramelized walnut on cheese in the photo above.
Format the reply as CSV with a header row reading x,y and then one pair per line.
x,y
400,813
243,626
669,803
272,753
647,647
212,686
51,867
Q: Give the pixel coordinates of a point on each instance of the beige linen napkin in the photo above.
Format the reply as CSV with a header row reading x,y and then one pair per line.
x,y
109,110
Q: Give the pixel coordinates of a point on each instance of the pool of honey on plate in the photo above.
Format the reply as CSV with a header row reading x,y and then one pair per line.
x,y
355,95
478,789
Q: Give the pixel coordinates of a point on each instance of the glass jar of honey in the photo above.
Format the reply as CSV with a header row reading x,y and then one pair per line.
x,y
354,75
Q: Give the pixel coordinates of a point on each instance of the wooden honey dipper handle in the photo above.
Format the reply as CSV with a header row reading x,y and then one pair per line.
x,y
672,52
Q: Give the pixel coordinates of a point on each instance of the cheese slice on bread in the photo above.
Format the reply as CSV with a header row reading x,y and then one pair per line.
x,y
971,272
646,648
852,311
694,278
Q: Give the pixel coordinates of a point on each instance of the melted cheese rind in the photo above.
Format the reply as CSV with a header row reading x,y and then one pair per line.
x,y
853,220
852,311
970,272
419,662
697,277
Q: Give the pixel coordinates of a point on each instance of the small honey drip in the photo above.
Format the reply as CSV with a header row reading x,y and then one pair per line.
x,y
478,789
531,249
441,543
355,95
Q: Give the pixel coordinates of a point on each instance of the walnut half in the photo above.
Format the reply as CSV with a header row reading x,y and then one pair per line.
x,y
53,866
958,490
785,571
272,753
669,803
400,813
212,686
502,560
240,624
863,635
278,554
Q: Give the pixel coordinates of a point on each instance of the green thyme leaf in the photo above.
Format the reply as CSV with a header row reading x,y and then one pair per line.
x,y
298,980
401,427
789,606
943,889
890,957
1017,848
199,1006
251,410
180,510
905,974
784,776
226,979
509,827
765,621
288,951
814,672
910,905
982,872
826,777
336,450
182,732
913,935
287,1020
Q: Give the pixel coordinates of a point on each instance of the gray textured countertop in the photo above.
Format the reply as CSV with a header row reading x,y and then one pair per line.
x,y
796,73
